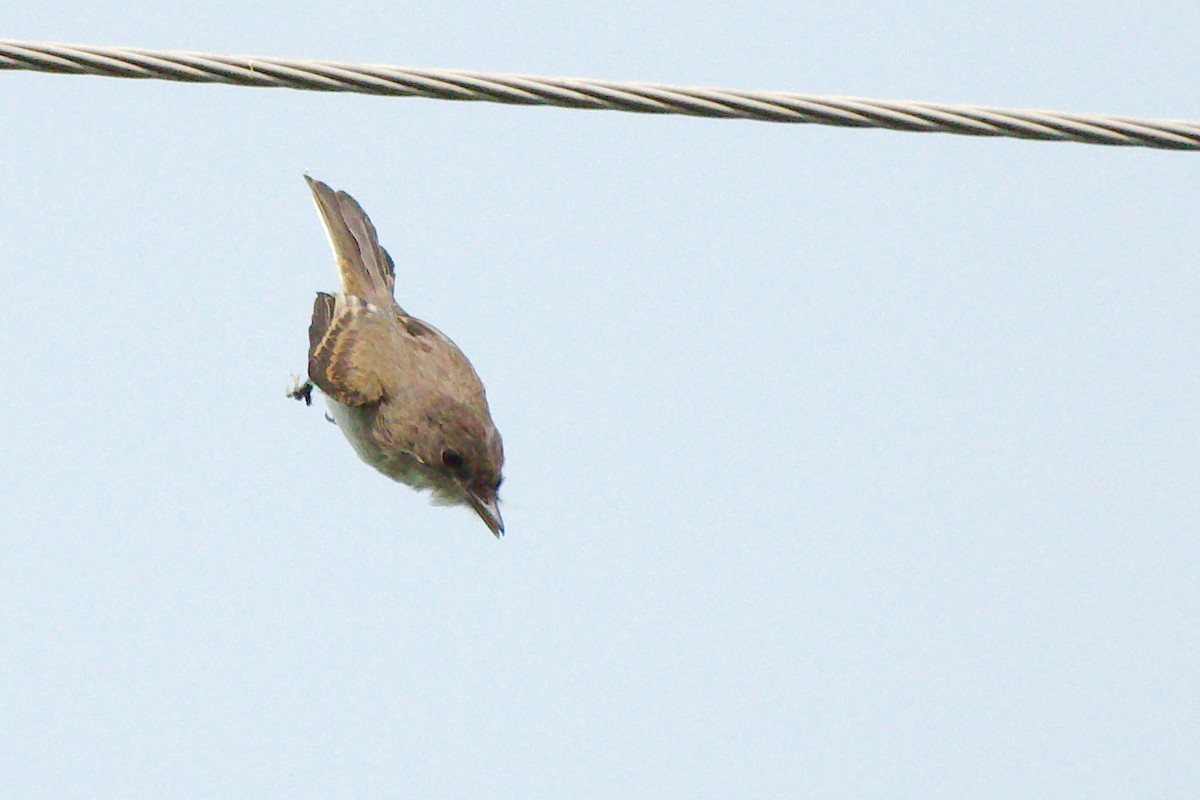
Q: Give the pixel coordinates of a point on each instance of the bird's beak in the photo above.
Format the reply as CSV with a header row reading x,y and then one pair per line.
x,y
488,511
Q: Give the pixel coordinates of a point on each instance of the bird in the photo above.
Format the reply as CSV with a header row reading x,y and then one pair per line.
x,y
403,394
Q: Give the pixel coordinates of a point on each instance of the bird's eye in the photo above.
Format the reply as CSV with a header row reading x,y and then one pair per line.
x,y
498,482
452,459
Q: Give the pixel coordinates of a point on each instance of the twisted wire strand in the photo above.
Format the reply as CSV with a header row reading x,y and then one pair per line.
x,y
647,98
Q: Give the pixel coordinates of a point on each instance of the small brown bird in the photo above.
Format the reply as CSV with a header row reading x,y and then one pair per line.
x,y
403,394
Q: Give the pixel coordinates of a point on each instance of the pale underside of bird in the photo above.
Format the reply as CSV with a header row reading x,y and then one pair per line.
x,y
406,398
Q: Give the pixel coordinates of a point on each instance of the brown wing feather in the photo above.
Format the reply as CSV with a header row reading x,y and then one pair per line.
x,y
322,315
347,345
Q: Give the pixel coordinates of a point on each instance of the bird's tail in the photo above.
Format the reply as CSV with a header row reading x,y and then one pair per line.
x,y
366,269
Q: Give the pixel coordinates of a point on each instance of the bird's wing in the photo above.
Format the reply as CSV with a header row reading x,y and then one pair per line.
x,y
365,268
349,342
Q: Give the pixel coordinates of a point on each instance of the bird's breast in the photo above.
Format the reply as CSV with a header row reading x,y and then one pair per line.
x,y
358,426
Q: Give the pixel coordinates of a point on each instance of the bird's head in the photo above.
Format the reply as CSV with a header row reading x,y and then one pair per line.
x,y
464,451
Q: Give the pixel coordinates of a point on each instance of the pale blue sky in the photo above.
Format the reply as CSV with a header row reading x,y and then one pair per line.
x,y
841,463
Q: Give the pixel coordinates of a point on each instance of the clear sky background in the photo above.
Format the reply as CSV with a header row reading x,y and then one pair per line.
x,y
841,463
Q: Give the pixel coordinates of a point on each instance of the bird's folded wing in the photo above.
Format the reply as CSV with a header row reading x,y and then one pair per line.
x,y
348,347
